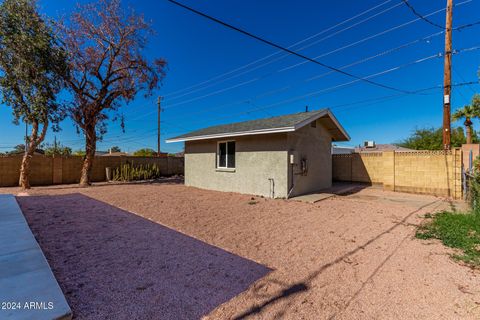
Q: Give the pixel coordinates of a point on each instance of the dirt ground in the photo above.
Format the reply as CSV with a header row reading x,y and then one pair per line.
x,y
166,251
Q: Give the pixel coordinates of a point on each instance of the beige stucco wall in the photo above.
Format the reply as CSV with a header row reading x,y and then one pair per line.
x,y
261,157
314,145
257,159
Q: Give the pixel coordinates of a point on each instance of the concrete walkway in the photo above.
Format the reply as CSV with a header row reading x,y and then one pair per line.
x,y
28,289
339,188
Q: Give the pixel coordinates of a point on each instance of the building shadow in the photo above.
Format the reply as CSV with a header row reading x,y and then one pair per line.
x,y
343,188
113,264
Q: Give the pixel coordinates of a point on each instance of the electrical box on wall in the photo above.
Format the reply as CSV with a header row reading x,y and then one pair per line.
x,y
293,157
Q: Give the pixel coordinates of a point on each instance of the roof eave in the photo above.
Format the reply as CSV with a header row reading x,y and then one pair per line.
x,y
232,134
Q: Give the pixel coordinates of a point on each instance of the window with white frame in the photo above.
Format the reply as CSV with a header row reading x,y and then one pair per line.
x,y
226,155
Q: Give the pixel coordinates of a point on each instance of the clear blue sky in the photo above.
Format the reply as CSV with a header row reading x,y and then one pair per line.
x,y
197,50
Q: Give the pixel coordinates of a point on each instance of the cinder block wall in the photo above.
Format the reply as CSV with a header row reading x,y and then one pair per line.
x,y
426,172
64,170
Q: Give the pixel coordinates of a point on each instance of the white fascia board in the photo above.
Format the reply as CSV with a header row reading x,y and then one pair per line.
x,y
232,134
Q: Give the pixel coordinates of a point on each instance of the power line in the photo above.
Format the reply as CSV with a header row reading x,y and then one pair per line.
x,y
468,25
438,25
330,89
285,55
336,50
374,36
380,54
325,90
376,100
320,56
270,92
343,85
420,16
272,44
385,52
128,139
284,88
287,68
291,46
322,75
463,79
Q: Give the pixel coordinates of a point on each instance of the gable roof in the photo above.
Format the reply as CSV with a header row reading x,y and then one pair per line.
x,y
285,123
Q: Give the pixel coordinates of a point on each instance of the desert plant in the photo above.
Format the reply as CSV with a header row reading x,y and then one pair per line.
x,y
130,172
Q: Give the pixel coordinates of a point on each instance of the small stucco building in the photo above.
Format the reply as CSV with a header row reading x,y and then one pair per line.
x,y
278,157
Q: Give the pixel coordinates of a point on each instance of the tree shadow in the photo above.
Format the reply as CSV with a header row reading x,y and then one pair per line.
x,y
113,264
290,291
163,180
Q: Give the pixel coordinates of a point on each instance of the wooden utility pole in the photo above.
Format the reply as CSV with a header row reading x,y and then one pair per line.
x,y
447,77
158,125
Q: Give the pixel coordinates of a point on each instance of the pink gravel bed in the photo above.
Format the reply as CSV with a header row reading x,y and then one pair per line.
x,y
113,264
351,257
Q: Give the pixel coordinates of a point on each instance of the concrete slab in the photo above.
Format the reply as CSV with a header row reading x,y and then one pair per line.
x,y
336,189
313,197
28,288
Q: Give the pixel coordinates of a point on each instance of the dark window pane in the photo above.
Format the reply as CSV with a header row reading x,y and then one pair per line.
x,y
231,154
222,159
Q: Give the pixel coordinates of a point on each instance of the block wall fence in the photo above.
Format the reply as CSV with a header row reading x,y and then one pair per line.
x,y
426,172
46,170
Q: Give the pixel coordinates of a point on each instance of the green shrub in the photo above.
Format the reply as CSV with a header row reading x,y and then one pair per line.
x,y
130,172
456,230
473,195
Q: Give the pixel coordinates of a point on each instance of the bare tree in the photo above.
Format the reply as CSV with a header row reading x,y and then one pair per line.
x,y
32,65
105,45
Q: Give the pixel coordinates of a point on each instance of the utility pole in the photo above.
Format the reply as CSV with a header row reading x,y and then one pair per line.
x,y
158,125
447,76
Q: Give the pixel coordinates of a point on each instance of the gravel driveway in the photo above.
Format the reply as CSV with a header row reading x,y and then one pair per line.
x,y
350,257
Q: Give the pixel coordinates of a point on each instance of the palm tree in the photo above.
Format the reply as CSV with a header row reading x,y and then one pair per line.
x,y
468,112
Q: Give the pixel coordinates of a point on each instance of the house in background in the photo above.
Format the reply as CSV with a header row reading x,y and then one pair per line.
x,y
342,149
276,157
372,146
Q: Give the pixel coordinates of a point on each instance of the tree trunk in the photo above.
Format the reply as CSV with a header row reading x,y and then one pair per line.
x,y
35,140
469,134
24,181
90,148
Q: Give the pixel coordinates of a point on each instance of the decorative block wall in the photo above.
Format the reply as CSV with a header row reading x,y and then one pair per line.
x,y
426,172
64,170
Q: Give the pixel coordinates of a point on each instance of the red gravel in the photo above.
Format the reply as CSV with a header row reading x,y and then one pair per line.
x,y
352,257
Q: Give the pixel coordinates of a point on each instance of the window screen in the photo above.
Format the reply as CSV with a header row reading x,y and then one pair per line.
x,y
222,155
226,154
231,154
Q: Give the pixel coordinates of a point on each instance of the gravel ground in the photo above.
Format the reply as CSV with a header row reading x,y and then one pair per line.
x,y
177,252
